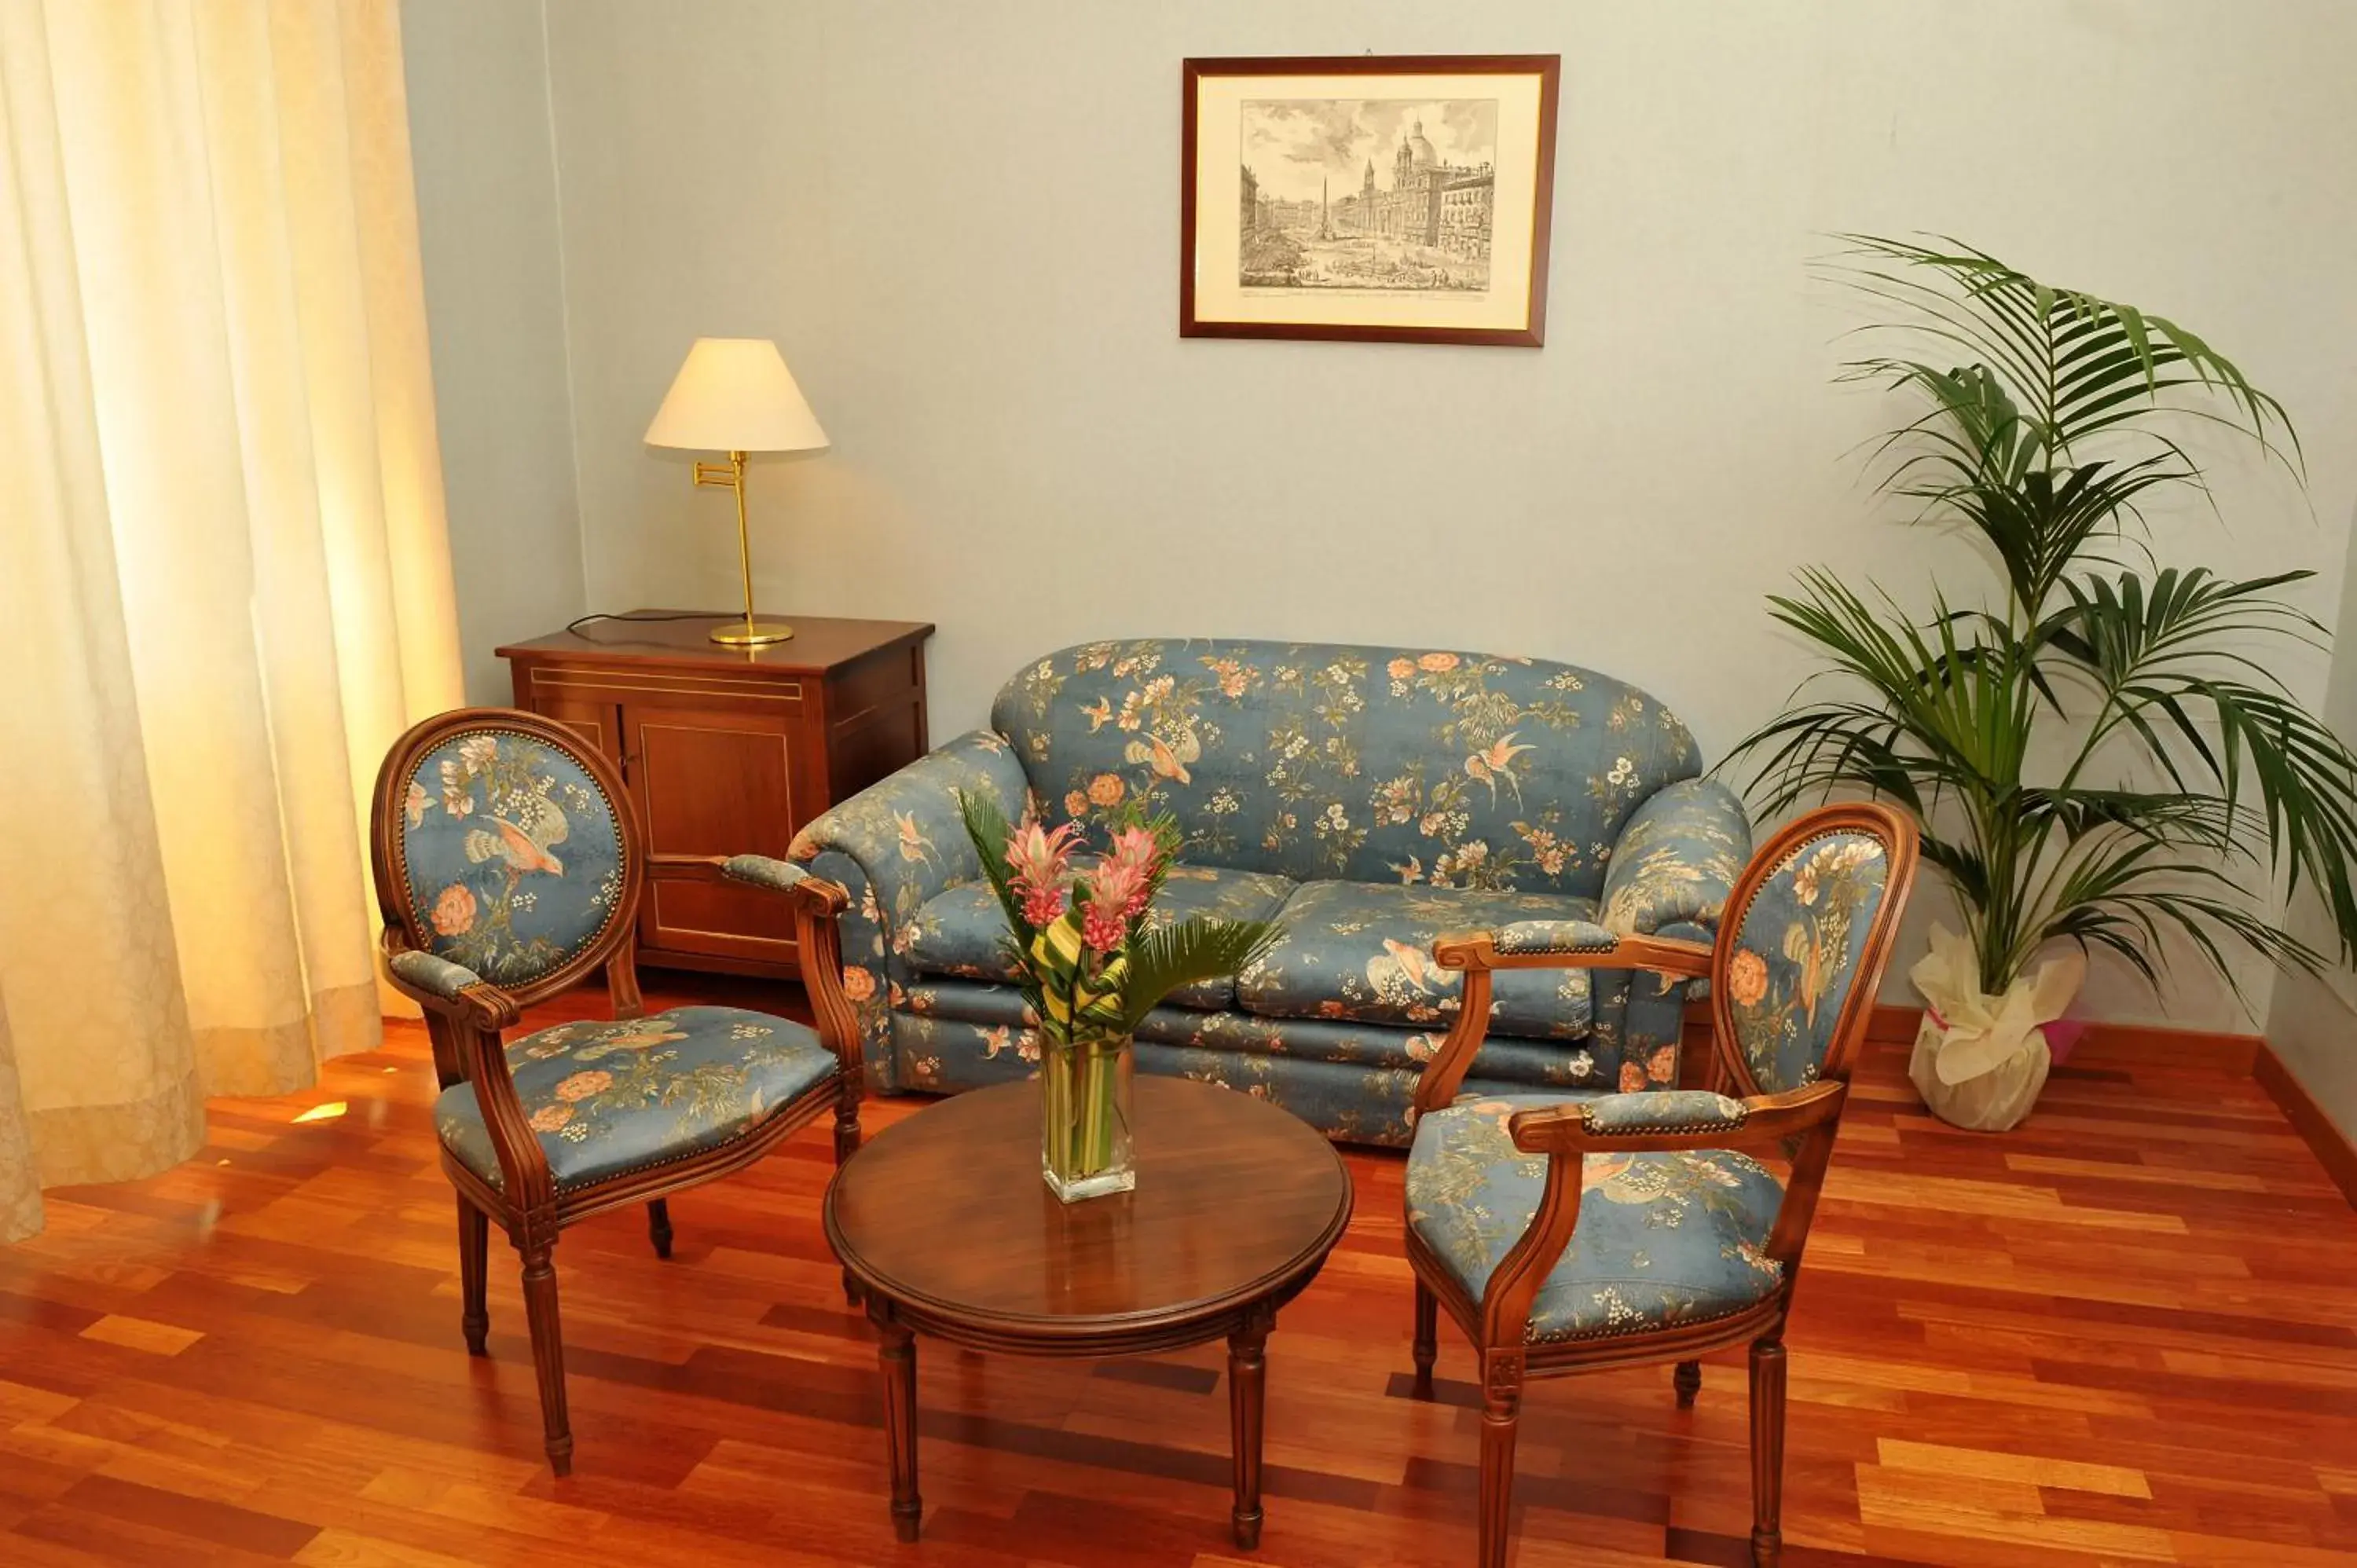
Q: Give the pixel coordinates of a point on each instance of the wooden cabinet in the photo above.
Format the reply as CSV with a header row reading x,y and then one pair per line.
x,y
729,751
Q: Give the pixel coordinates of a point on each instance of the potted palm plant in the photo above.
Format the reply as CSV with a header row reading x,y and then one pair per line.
x,y
2096,746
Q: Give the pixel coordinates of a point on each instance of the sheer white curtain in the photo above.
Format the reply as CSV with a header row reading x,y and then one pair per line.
x,y
224,575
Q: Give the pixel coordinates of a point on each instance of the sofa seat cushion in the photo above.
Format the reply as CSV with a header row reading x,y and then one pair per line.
x,y
1663,1239
963,932
1362,950
1006,1025
609,1098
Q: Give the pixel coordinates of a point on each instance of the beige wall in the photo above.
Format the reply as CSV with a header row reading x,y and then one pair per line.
x,y
486,168
2312,1024
961,223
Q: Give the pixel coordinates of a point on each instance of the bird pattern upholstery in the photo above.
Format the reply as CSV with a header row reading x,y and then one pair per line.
x,y
1661,1238
510,854
1407,791
606,1098
1796,953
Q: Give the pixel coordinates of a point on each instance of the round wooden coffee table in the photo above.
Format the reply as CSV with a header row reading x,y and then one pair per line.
x,y
946,1226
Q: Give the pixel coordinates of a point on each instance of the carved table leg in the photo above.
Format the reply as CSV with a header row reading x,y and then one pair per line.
x,y
1247,1401
1688,1383
897,1351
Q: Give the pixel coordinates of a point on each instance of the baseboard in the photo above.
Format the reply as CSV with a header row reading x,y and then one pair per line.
x,y
2332,1147
2103,1046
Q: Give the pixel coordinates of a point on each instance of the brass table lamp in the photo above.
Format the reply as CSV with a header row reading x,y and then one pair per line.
x,y
736,396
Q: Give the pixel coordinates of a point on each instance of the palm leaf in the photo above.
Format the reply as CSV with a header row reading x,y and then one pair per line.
x,y
2045,428
1164,957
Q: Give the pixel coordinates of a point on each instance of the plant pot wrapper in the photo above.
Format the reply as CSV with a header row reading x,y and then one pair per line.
x,y
1981,1060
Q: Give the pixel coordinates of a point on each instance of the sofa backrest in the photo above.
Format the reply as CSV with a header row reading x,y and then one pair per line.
x,y
1370,763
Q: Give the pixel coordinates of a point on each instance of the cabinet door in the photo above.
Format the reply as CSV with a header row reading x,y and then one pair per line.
x,y
713,780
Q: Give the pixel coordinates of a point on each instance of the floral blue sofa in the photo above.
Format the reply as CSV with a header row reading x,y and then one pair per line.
x,y
1371,799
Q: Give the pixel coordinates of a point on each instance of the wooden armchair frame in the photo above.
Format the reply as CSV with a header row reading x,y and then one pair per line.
x,y
1801,1123
467,1023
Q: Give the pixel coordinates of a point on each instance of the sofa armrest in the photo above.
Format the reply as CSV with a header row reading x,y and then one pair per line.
x,y
891,848
904,833
1676,860
1669,877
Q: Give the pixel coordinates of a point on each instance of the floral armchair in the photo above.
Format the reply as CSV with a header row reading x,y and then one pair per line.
x,y
1570,1235
509,865
1370,798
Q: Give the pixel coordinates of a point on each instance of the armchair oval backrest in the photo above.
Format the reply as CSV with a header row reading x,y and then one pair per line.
x,y
504,841
1808,932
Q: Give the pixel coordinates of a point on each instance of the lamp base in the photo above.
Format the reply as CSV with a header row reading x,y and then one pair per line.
x,y
761,633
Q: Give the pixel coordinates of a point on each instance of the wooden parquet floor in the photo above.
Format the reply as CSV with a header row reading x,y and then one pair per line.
x,y
2126,1334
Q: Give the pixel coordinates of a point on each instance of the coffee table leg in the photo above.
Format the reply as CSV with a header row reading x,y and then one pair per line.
x,y
897,1351
1247,1380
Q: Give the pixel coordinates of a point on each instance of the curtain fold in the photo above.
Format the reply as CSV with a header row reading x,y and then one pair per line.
x,y
224,572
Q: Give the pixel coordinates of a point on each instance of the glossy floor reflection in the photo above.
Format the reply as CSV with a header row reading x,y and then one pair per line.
x,y
2128,1333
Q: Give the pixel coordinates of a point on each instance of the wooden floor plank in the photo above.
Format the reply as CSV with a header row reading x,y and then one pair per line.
x,y
2125,1333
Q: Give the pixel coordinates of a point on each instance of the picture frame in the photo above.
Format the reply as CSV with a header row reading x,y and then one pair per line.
x,y
1401,199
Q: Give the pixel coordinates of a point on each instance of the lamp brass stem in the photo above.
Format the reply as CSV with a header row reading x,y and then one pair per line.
x,y
753,633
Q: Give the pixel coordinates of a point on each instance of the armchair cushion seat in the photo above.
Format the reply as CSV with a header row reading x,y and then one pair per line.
x,y
611,1097
961,933
1362,951
1663,1239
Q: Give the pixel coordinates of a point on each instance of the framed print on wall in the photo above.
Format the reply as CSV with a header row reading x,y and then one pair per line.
x,y
1401,200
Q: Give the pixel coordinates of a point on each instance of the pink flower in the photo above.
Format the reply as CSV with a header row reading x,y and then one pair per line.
x,y
1137,849
1102,929
1040,866
1042,905
1118,889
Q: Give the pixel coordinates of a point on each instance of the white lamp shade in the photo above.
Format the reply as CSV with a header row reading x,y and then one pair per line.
x,y
735,394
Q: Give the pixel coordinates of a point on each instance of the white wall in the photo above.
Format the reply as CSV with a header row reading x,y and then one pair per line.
x,y
960,222
2312,1023
486,168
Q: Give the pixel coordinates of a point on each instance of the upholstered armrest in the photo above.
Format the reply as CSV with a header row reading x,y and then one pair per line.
x,y
764,871
1570,944
905,833
1657,1120
1531,938
1676,860
775,876
437,983
430,973
1660,1110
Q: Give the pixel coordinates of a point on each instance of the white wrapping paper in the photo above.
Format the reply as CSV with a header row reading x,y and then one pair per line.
x,y
1980,1060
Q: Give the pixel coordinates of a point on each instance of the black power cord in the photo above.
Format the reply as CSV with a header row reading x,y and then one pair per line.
x,y
575,625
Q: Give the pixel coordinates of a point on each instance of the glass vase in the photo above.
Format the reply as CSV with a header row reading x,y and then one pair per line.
x,y
1084,1097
